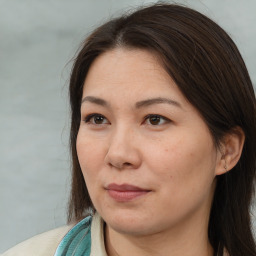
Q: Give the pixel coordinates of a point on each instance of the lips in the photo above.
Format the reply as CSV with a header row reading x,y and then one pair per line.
x,y
125,192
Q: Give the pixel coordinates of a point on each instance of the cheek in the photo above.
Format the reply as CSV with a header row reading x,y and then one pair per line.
x,y
90,154
183,161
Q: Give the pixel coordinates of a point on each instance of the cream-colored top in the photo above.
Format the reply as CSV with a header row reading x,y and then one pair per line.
x,y
97,236
46,244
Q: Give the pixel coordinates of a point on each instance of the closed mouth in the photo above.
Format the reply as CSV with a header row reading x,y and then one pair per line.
x,y
125,192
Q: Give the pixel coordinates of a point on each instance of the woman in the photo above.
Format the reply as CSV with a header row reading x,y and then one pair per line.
x,y
162,141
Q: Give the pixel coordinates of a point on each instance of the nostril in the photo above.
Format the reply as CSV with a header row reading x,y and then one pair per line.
x,y
121,165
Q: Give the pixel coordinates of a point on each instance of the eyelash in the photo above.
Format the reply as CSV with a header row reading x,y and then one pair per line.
x,y
90,116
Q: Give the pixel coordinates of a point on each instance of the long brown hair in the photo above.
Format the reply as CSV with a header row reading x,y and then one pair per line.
x,y
209,70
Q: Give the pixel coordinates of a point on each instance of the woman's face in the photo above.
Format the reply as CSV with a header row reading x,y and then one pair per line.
x,y
147,156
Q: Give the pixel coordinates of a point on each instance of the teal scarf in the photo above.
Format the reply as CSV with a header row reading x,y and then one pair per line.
x,y
77,242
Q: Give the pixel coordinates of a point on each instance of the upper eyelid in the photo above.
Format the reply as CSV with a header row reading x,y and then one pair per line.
x,y
150,115
147,116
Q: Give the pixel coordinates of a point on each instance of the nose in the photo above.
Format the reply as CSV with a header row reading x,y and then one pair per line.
x,y
123,150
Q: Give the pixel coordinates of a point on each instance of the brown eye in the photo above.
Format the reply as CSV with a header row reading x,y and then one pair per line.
x,y
96,119
156,120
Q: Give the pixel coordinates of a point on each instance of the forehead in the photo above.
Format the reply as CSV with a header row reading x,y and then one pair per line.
x,y
122,64
126,71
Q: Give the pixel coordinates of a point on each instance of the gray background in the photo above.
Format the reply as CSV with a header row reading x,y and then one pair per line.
x,y
37,40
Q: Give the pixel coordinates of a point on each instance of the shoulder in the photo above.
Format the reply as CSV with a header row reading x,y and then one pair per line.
x,y
40,245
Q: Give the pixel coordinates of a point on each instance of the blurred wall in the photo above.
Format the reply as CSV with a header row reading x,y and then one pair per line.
x,y
37,40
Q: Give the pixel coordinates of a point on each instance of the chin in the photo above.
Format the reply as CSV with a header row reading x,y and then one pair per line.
x,y
130,229
128,223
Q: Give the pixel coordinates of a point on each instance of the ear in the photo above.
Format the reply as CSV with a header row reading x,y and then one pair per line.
x,y
231,150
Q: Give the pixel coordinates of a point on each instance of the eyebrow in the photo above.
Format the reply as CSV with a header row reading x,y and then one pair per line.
x,y
159,100
95,100
139,104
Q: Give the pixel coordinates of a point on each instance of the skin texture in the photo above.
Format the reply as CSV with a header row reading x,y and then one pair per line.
x,y
173,158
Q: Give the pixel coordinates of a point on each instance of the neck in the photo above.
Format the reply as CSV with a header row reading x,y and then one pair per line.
x,y
177,242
